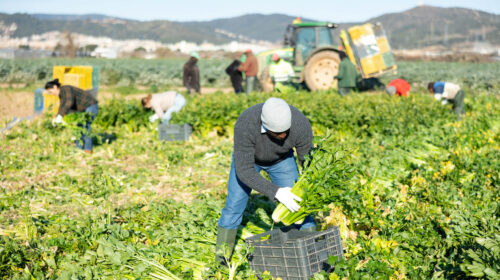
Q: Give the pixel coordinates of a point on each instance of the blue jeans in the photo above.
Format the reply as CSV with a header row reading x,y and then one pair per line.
x,y
282,174
86,138
179,102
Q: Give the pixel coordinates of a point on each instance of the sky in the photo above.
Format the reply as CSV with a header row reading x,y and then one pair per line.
x,y
191,10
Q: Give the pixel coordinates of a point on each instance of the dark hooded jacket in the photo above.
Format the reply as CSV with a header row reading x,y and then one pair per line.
x,y
191,75
235,75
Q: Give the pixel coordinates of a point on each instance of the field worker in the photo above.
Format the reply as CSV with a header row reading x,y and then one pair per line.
x,y
449,92
399,87
280,71
163,104
235,75
74,99
250,68
264,137
191,74
346,76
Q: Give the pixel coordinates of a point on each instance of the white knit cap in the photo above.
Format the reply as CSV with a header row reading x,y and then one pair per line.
x,y
276,115
391,90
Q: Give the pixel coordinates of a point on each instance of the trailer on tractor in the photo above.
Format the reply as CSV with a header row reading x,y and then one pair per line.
x,y
312,49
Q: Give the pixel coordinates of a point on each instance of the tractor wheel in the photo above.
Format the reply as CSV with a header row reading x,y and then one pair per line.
x,y
320,70
265,82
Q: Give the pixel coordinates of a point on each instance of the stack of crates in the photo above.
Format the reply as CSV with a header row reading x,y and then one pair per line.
x,y
84,77
38,104
368,47
292,254
50,103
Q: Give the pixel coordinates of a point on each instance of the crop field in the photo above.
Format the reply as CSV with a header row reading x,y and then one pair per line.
x,y
120,73
168,72
422,202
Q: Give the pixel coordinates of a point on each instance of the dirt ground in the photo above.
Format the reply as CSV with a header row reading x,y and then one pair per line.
x,y
15,104
20,103
445,57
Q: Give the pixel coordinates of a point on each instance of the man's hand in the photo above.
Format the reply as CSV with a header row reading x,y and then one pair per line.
x,y
285,196
153,118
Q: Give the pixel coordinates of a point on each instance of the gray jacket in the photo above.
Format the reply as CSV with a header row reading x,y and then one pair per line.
x,y
252,146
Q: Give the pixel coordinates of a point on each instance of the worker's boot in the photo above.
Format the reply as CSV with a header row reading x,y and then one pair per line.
x,y
226,239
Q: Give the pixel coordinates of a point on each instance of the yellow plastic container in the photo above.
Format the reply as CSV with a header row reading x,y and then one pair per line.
x,y
76,80
366,45
373,64
358,32
383,44
78,76
348,48
50,103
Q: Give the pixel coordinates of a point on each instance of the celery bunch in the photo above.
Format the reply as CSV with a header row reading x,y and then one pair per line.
x,y
327,170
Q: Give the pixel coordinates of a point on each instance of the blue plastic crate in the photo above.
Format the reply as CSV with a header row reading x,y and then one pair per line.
x,y
38,104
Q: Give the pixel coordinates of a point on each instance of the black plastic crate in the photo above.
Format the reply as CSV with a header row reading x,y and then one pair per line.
x,y
174,132
292,254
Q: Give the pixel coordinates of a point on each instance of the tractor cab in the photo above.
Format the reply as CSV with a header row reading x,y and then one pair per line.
x,y
306,37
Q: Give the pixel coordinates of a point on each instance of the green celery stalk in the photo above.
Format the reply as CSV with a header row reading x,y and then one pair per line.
x,y
327,169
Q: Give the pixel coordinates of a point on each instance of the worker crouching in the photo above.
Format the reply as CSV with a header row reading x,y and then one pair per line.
x,y
164,105
264,137
75,99
447,92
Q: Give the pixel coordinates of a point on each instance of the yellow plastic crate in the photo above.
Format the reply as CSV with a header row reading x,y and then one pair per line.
x,y
74,79
50,103
372,64
78,76
348,48
358,32
369,46
383,44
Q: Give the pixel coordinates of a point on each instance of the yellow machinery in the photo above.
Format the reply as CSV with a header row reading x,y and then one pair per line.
x,y
367,47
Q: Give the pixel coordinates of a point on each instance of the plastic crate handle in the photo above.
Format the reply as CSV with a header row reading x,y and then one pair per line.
x,y
320,238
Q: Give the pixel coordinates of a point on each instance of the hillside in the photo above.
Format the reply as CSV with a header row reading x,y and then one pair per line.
x,y
72,17
160,30
426,25
255,26
414,28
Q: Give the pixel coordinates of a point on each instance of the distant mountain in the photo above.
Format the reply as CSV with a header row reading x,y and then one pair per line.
x,y
255,26
427,25
160,30
414,28
418,27
73,17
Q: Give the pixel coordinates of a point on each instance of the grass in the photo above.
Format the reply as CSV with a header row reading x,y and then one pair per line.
x,y
423,203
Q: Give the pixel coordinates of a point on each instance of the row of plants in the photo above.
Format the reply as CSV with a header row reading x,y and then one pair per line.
x,y
120,72
160,73
419,201
421,178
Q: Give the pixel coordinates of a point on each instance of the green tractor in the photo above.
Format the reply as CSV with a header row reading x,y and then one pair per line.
x,y
313,51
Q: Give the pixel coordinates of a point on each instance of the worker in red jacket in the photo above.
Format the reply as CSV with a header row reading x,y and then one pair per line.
x,y
399,87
